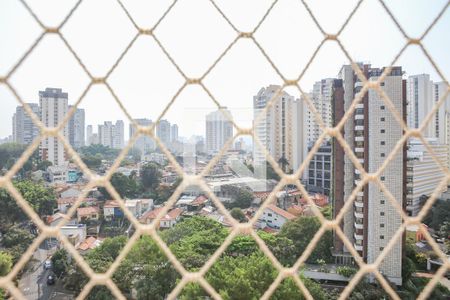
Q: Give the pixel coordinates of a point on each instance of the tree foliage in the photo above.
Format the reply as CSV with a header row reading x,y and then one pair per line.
x,y
238,214
301,231
125,186
150,176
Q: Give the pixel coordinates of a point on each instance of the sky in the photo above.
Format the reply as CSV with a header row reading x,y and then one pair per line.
x,y
194,34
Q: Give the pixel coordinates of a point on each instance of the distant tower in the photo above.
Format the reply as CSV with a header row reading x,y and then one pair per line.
x,y
24,130
76,128
174,133
54,106
163,131
144,144
218,130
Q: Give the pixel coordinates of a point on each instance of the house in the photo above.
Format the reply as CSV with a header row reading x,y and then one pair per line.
x,y
89,244
134,206
146,204
71,191
55,219
169,220
88,213
64,204
111,209
57,174
198,203
75,233
275,217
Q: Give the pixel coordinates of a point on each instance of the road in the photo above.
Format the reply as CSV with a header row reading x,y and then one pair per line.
x,y
33,283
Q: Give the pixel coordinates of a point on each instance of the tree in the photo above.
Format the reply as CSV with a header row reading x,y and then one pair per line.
x,y
283,162
40,198
9,153
438,214
43,165
327,212
125,186
150,176
17,241
238,214
91,161
60,262
6,263
301,231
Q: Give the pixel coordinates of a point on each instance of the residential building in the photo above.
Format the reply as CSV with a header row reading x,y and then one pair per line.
x,y
88,213
320,175
372,132
144,143
112,135
422,172
77,128
76,234
54,105
64,204
219,130
443,114
420,99
174,133
24,130
58,174
89,136
275,217
321,97
163,131
169,220
280,130
112,210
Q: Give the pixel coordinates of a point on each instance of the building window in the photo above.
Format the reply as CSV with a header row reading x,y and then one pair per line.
x,y
382,155
382,119
381,213
382,107
269,214
382,178
381,201
381,248
382,225
383,143
382,131
381,237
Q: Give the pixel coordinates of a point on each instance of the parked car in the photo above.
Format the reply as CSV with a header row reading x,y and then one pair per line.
x,y
51,279
47,264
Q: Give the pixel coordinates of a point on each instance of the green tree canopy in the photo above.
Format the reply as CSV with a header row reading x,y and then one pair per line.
x,y
126,187
150,176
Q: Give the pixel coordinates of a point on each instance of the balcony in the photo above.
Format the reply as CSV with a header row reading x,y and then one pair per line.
x,y
359,204
360,105
360,194
359,226
358,236
359,117
357,171
359,127
359,149
357,181
359,215
361,160
358,84
359,139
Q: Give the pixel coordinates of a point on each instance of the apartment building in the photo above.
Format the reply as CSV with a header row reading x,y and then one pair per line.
x,y
112,135
219,130
144,144
320,176
420,99
372,132
54,106
24,130
422,172
280,130
77,128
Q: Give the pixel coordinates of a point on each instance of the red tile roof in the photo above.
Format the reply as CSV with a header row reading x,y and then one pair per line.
x,y
199,200
89,243
87,211
281,212
111,203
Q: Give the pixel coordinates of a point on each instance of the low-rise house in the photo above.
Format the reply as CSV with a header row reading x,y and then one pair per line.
x,y
57,174
75,233
111,209
275,217
198,203
134,206
88,213
89,244
55,219
64,204
71,191
167,221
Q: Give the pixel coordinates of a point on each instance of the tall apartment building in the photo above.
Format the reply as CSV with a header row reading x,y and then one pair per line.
x,y
54,106
443,114
280,130
174,133
372,132
24,130
420,99
89,135
321,97
422,172
219,130
112,135
320,175
77,128
144,144
163,131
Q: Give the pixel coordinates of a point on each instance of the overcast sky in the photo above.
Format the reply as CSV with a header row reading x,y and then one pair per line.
x,y
195,34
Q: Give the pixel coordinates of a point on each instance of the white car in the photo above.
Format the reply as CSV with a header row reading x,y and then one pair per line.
x,y
47,264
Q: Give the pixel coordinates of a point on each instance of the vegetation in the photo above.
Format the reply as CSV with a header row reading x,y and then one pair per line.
x,y
150,176
6,263
438,215
346,271
125,186
11,152
16,241
238,214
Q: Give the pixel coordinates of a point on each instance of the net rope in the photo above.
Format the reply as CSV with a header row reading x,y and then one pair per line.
x,y
7,282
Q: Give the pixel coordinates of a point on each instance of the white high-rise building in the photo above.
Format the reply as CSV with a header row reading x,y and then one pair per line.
x,y
24,130
144,144
280,130
118,139
321,98
422,172
372,132
77,128
112,135
419,89
163,131
443,114
219,130
89,135
54,105
174,133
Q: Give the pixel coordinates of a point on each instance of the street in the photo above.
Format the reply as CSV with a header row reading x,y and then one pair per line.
x,y
33,282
